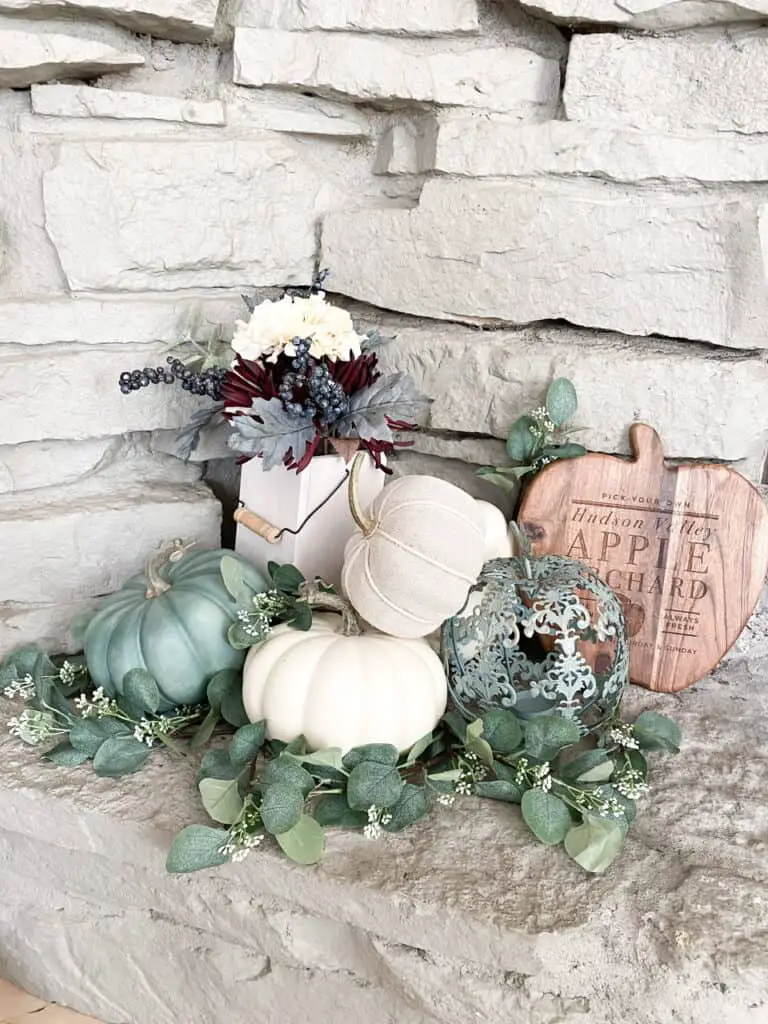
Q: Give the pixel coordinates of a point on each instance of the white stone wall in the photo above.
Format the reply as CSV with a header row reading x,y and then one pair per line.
x,y
518,196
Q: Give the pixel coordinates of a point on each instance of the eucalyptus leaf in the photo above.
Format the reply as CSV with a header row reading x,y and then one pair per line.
x,y
414,803
302,617
65,755
23,660
232,707
195,848
657,732
450,775
500,789
585,762
546,816
88,734
373,784
638,762
381,753
502,480
246,743
217,765
120,755
285,578
599,773
547,734
222,684
333,811
456,725
48,696
242,635
419,747
304,843
205,730
477,745
595,844
221,799
233,575
563,451
561,401
286,771
521,441
281,807
141,690
331,757
502,730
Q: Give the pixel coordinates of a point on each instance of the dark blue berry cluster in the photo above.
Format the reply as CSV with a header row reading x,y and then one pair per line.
x,y
308,387
207,383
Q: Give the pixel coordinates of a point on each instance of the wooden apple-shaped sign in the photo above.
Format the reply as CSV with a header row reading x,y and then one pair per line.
x,y
685,548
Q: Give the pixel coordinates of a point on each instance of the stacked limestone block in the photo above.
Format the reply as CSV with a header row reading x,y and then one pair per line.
x,y
509,201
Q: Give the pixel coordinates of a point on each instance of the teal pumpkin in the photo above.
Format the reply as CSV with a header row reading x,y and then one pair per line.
x,y
171,620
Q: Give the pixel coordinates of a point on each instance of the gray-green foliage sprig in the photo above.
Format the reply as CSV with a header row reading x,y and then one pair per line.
x,y
582,798
539,437
116,733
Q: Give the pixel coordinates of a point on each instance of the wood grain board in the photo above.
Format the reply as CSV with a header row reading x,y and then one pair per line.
x,y
685,548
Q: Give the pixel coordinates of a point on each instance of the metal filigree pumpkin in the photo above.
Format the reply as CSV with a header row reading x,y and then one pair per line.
x,y
538,635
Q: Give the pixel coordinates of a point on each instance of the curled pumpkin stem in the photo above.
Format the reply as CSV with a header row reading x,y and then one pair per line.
x,y
157,583
317,598
363,521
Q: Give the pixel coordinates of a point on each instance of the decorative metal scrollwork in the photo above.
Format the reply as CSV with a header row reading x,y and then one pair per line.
x,y
536,635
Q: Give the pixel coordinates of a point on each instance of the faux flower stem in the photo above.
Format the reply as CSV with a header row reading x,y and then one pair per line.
x,y
363,521
316,598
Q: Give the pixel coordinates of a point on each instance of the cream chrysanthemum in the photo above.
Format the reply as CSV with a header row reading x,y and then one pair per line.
x,y
273,326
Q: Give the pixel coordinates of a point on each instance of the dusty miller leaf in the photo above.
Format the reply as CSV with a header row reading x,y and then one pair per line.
x,y
188,438
279,433
392,397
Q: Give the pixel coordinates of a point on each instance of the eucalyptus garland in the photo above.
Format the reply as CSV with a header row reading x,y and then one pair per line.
x,y
581,793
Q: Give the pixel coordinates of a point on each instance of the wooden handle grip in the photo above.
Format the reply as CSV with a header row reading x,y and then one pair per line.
x,y
259,526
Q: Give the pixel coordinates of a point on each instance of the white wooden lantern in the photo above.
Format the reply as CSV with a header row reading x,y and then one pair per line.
x,y
282,499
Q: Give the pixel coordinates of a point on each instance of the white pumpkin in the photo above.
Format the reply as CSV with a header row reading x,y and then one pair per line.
x,y
498,540
418,550
340,690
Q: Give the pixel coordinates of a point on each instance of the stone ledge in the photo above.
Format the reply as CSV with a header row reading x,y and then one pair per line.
x,y
463,914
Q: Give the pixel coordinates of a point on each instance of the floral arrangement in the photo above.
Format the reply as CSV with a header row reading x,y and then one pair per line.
x,y
579,792
296,380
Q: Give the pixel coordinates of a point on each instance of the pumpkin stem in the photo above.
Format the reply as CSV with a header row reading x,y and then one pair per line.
x,y
524,543
157,583
317,598
362,520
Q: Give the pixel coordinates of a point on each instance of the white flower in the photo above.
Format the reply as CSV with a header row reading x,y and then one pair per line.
x,y
23,688
273,326
446,799
373,830
623,736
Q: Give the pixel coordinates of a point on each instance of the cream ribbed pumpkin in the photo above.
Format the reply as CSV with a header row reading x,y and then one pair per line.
x,y
418,550
498,542
340,687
